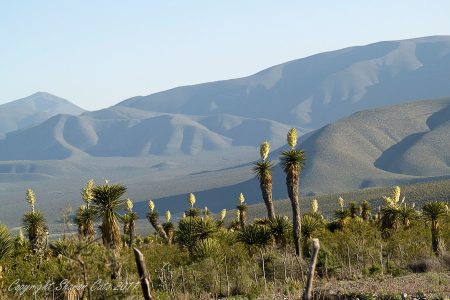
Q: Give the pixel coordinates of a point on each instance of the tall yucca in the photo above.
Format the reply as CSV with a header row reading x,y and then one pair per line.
x,y
365,210
292,162
152,217
106,204
433,212
129,220
168,227
242,209
263,170
35,224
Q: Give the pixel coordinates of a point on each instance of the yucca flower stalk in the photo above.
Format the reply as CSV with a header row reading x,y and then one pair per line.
x,y
263,171
292,162
433,212
152,217
314,206
221,220
86,192
106,204
31,198
168,227
20,239
242,209
35,225
341,203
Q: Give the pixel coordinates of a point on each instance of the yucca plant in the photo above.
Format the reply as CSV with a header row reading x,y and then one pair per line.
x,y
168,227
292,162
281,229
365,211
263,171
129,222
193,229
106,204
242,209
152,217
390,213
35,225
353,208
6,243
310,227
85,218
206,248
433,212
407,213
255,237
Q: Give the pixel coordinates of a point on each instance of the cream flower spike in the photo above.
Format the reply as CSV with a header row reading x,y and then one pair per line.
x,y
292,138
264,150
191,200
151,205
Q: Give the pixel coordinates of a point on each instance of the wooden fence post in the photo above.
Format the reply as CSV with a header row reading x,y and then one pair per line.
x,y
145,283
307,295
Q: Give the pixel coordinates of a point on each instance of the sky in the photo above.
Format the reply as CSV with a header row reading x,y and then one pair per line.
x,y
98,53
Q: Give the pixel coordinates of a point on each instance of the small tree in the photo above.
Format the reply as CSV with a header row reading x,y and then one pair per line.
x,y
433,212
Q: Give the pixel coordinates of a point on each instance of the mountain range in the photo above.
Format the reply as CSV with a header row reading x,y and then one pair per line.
x,y
354,107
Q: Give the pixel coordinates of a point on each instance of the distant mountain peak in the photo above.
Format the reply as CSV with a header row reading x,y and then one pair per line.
x,y
34,109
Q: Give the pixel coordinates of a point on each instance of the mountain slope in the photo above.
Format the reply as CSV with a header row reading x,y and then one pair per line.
x,y
386,146
126,132
314,91
33,110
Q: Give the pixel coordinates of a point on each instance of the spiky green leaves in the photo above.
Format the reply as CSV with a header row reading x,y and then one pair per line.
x,y
106,205
292,160
434,210
6,242
263,169
255,235
36,228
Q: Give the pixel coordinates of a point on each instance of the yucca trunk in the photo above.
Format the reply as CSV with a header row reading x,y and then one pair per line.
x,y
111,233
266,190
131,233
292,182
153,219
436,242
88,230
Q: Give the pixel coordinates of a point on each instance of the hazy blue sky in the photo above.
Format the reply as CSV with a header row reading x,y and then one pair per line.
x,y
96,53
